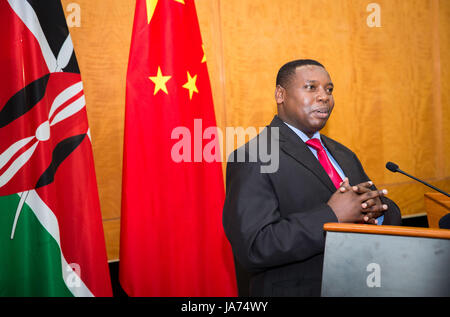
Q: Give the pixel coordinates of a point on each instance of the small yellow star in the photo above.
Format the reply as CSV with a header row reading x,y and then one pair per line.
x,y
160,82
151,5
204,55
190,85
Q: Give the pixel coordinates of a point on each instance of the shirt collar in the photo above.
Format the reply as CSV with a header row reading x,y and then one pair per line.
x,y
302,135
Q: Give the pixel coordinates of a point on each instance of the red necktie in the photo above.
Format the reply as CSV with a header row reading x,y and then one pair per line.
x,y
325,161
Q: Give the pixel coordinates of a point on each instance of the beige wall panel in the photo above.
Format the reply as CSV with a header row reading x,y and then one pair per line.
x,y
444,46
112,238
388,97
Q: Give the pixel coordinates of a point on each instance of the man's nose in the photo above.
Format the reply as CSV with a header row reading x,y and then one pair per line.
x,y
322,95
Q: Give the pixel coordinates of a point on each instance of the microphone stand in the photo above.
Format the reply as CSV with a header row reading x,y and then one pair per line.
x,y
423,182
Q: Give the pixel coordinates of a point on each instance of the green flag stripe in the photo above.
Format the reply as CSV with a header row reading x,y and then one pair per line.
x,y
49,222
30,264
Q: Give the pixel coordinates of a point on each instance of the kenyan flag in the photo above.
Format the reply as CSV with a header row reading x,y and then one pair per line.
x,y
51,236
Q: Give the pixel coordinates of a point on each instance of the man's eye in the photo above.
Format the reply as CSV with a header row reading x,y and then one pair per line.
x,y
309,87
329,90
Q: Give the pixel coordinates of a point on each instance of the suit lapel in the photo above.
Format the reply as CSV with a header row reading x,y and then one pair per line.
x,y
292,145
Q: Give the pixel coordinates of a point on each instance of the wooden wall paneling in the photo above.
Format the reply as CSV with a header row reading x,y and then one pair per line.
x,y
444,46
249,60
438,138
111,228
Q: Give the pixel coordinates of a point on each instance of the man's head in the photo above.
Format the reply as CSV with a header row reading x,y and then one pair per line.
x,y
304,95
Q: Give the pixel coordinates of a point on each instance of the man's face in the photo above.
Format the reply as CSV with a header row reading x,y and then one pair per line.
x,y
307,101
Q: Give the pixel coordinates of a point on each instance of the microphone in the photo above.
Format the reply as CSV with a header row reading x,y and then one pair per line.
x,y
394,168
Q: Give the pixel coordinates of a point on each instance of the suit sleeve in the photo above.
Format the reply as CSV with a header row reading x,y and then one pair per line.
x,y
260,237
392,216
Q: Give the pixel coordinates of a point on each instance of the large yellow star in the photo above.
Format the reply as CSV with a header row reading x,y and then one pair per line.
x,y
160,81
150,5
190,85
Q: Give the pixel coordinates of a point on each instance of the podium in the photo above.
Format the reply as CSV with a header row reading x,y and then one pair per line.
x,y
369,261
437,206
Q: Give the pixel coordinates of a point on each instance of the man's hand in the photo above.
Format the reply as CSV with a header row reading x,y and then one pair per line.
x,y
353,205
373,208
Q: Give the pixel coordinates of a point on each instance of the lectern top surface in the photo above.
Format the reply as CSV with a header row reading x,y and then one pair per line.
x,y
389,230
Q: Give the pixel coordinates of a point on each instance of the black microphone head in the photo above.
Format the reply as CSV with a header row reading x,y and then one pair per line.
x,y
392,166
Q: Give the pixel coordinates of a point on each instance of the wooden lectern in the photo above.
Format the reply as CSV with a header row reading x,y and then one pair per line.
x,y
369,260
437,206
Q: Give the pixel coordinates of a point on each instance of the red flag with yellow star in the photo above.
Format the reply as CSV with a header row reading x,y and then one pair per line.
x,y
172,241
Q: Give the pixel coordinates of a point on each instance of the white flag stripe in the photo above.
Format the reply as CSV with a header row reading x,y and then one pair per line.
x,y
17,165
65,95
6,156
26,13
23,196
64,54
49,221
89,134
70,110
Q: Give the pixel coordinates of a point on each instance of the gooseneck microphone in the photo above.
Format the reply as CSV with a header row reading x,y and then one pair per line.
x,y
394,168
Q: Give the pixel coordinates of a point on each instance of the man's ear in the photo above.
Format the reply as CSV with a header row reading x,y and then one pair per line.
x,y
279,94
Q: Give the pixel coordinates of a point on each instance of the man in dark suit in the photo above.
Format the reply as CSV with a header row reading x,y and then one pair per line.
x,y
274,220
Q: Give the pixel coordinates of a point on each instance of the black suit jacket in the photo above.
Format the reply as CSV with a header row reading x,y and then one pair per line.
x,y
274,221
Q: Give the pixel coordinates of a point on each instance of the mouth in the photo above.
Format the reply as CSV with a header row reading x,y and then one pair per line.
x,y
321,113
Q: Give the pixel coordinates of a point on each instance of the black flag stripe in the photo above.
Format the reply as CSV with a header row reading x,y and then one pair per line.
x,y
61,151
53,23
23,101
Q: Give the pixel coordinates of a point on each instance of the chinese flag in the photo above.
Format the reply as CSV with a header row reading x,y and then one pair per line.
x,y
172,241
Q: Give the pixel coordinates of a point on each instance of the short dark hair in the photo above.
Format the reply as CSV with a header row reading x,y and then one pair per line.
x,y
287,70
